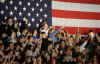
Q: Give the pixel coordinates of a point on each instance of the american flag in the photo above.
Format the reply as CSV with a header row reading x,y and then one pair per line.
x,y
35,11
82,15
76,15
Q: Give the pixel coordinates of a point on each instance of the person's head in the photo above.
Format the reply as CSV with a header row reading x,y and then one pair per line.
x,y
77,49
17,53
25,31
32,48
58,35
11,46
50,46
98,37
4,35
22,39
28,52
61,52
40,41
45,26
71,40
1,46
18,47
68,52
63,44
71,37
28,59
43,22
1,42
35,31
10,20
91,34
1,58
30,38
99,34
51,30
39,58
16,62
13,35
56,45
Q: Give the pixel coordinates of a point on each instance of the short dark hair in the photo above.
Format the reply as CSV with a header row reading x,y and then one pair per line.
x,y
99,34
9,18
90,31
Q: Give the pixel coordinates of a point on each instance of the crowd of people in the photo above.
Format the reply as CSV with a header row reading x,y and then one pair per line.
x,y
46,45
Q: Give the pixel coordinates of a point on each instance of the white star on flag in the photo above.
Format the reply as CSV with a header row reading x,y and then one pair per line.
x,y
15,18
29,14
2,12
40,20
20,2
40,0
11,2
33,19
6,7
5,17
45,5
15,8
11,13
37,4
20,13
32,9
41,10
24,9
37,25
37,14
28,3
45,15
29,24
20,24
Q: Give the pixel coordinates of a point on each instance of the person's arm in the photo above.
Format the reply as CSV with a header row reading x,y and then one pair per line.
x,y
82,47
57,31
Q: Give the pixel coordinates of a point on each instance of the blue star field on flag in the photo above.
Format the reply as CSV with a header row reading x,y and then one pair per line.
x,y
35,11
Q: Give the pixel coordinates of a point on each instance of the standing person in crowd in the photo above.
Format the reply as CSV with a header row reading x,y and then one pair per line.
x,y
10,26
53,33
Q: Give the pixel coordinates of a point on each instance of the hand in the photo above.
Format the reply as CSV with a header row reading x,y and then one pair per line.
x,y
62,27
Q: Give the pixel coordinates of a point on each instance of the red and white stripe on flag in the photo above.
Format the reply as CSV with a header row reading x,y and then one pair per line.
x,y
72,14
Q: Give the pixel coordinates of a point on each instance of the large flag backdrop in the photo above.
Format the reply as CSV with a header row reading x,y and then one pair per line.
x,y
76,15
82,15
